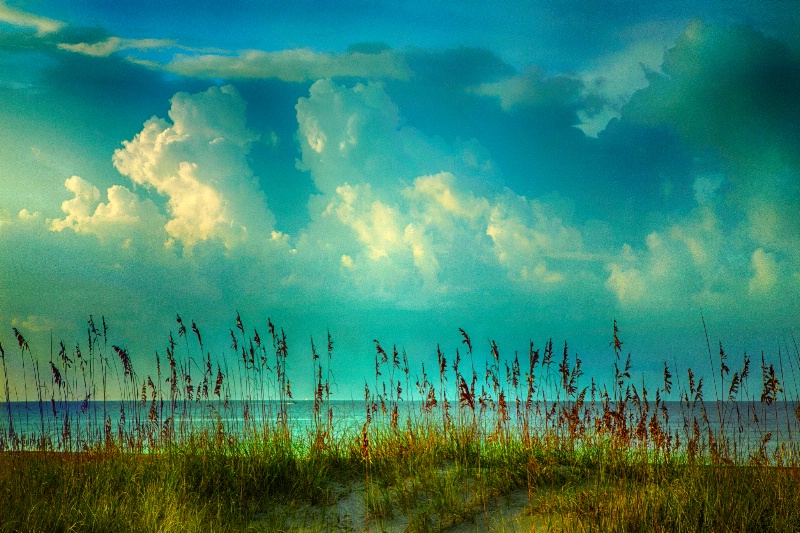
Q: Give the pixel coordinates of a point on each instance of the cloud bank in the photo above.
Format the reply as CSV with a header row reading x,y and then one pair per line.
x,y
433,189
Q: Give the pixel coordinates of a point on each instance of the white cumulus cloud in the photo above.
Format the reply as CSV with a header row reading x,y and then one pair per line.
x,y
198,162
527,234
123,215
377,225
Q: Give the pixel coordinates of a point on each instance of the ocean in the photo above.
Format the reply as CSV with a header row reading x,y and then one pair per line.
x,y
745,427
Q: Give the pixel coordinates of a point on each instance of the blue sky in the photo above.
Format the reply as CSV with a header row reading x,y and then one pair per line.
x,y
397,170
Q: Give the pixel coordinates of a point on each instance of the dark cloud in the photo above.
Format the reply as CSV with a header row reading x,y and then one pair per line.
x,y
725,87
525,142
459,67
732,93
640,169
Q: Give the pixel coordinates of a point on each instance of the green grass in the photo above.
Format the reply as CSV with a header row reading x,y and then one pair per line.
x,y
429,487
455,461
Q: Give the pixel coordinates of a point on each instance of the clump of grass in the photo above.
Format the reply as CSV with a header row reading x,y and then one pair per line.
x,y
485,439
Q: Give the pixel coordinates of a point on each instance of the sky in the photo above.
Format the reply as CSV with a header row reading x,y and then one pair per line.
x,y
397,170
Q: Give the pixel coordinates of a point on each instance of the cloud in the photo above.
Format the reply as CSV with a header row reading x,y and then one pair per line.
x,y
34,323
596,95
198,162
438,199
532,88
296,65
396,212
765,272
387,243
702,236
705,187
702,258
113,45
342,134
193,191
356,135
79,208
26,215
457,68
627,283
724,87
18,17
527,234
733,91
682,262
613,78
124,216
657,275
728,95
443,217
375,223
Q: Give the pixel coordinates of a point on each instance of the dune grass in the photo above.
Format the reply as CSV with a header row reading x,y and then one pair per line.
x,y
482,443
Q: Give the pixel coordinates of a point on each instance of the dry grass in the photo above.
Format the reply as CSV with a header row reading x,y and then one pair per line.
x,y
482,443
